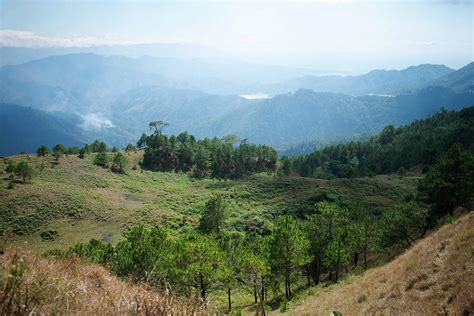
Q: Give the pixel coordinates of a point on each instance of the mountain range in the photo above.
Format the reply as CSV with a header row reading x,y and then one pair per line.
x,y
114,98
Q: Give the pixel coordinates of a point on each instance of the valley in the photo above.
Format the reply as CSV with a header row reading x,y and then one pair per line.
x,y
236,158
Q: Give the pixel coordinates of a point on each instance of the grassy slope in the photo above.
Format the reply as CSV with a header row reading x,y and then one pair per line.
x,y
38,285
83,201
435,276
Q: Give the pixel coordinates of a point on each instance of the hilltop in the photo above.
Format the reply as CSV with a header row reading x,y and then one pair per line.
x,y
435,276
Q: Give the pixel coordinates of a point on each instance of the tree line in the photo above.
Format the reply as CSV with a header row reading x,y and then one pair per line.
x,y
214,158
393,150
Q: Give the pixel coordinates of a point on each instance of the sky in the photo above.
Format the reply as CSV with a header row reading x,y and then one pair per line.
x,y
346,36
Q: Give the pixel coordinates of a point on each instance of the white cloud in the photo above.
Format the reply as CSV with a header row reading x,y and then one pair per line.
x,y
14,38
95,121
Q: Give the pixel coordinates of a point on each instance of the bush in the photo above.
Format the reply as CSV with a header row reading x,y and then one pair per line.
x,y
43,151
49,235
101,159
11,185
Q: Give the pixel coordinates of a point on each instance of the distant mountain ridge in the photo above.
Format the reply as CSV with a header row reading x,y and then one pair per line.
x,y
114,98
374,82
461,80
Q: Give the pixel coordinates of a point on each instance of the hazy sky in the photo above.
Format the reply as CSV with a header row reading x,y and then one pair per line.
x,y
327,35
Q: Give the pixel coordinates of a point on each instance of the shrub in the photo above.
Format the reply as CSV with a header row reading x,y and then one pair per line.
x,y
101,159
49,235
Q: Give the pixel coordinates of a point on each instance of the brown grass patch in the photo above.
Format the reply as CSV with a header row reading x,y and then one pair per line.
x,y
32,284
435,276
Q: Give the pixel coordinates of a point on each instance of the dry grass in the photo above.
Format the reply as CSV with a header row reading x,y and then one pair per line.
x,y
434,277
31,284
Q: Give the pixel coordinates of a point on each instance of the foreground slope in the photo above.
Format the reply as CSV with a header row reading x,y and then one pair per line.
x,y
435,276
36,285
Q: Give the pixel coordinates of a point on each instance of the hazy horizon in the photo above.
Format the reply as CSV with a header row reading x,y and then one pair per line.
x,y
345,37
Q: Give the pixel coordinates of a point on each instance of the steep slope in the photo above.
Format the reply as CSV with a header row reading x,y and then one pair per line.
x,y
461,80
307,115
435,276
24,129
375,82
34,284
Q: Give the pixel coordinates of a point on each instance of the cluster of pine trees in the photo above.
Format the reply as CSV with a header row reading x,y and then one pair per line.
x,y
393,150
215,158
296,253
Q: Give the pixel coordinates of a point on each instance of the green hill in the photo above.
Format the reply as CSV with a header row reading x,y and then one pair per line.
x,y
81,201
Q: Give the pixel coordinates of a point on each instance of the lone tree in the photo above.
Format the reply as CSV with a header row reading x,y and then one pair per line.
x,y
119,163
58,151
101,159
24,171
214,215
289,249
43,151
157,126
10,168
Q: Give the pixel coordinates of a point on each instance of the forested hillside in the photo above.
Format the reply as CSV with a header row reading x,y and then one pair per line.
x,y
419,144
22,129
166,215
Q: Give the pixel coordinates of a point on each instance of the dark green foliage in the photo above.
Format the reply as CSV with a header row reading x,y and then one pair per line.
x,y
87,149
450,182
394,149
403,223
59,148
213,216
82,153
49,235
74,150
216,158
142,141
10,168
101,159
43,151
95,251
24,171
289,250
11,185
129,148
98,146
202,162
119,163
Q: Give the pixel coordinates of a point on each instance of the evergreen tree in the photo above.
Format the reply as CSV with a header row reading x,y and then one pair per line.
x,y
288,250
119,163
213,216
24,171
10,168
202,162
450,183
43,151
101,159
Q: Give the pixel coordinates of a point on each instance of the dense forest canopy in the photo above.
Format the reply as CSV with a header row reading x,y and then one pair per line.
x,y
216,158
394,149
